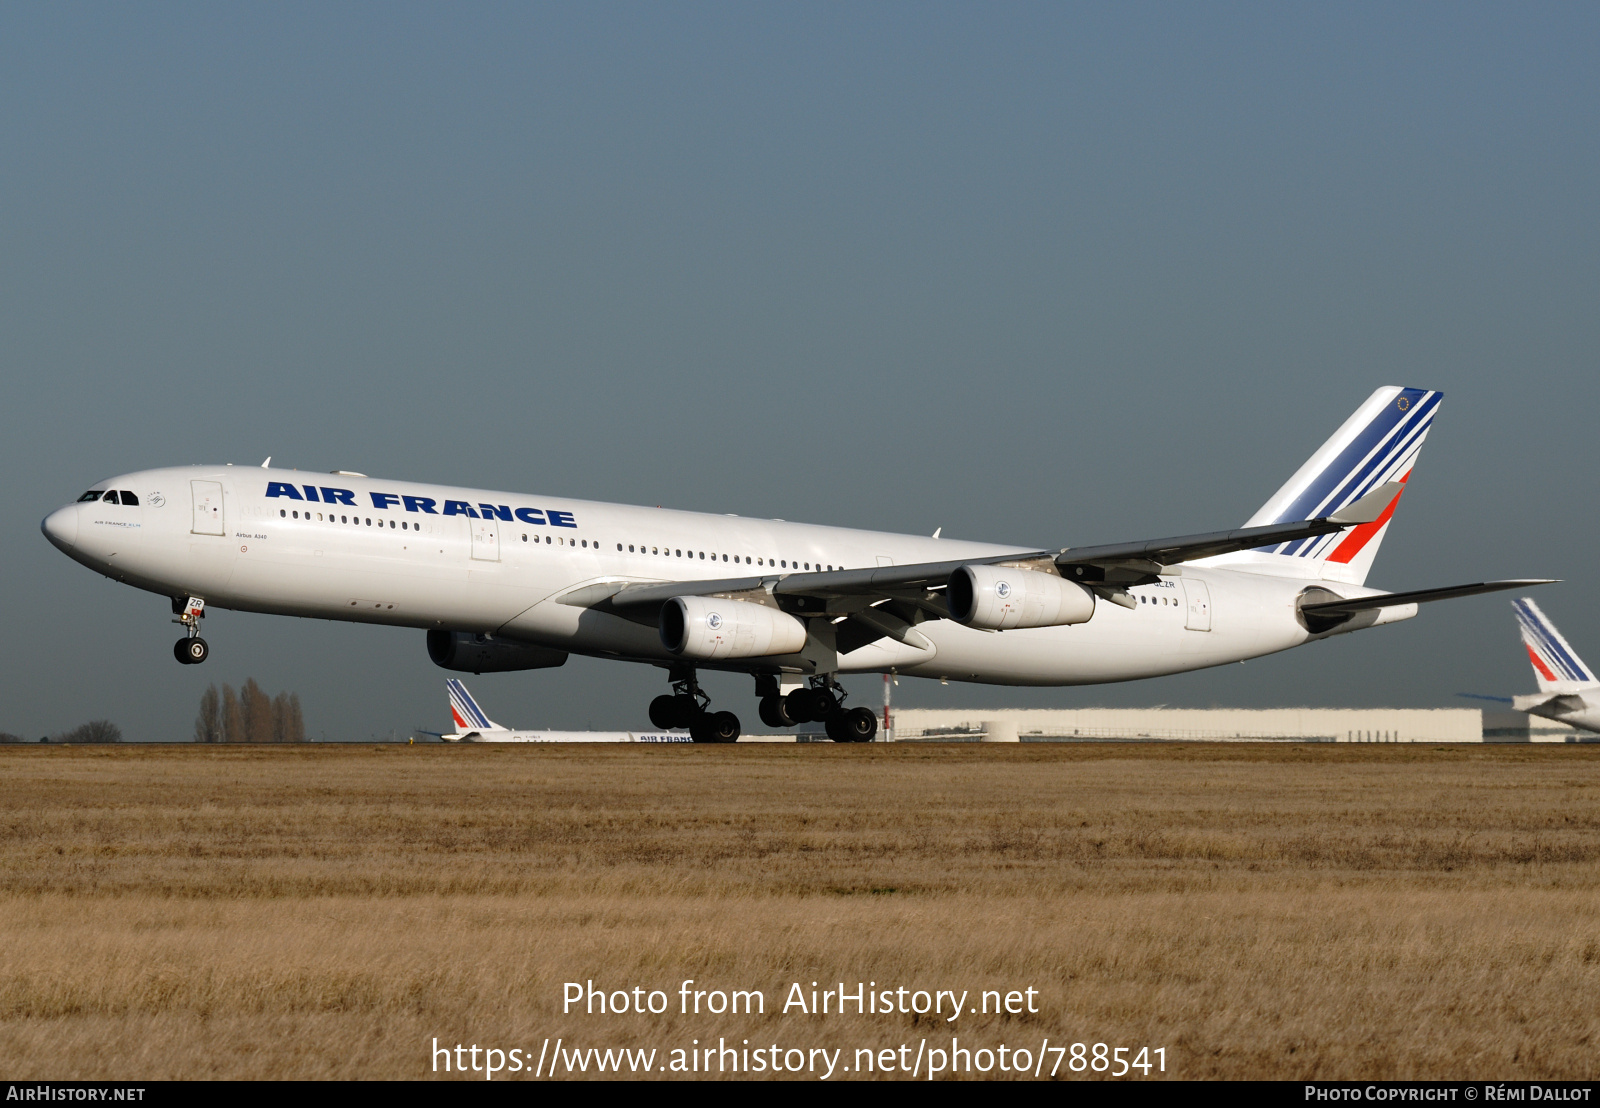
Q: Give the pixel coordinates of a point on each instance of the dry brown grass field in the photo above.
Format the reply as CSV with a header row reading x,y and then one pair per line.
x,y
1278,911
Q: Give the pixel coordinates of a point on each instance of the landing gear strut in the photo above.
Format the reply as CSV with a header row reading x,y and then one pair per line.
x,y
820,702
191,650
689,707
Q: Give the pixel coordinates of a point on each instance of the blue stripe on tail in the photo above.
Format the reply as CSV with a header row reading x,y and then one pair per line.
x,y
465,704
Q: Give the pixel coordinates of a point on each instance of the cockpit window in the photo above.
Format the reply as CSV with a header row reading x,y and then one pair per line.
x,y
92,494
129,498
111,497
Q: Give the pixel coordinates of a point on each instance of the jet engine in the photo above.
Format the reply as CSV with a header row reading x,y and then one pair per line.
x,y
470,653
711,628
997,598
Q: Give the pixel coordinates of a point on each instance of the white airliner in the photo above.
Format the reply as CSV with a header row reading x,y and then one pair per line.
x,y
1568,692
505,581
473,726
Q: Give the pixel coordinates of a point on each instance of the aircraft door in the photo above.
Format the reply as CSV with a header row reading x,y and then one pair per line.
x,y
207,507
1199,598
485,540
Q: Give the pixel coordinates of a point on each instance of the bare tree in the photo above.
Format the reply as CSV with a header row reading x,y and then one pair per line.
x,y
257,708
6,737
294,726
233,730
280,706
208,724
95,731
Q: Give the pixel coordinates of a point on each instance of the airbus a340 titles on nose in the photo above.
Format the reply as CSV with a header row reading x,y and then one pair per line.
x,y
504,581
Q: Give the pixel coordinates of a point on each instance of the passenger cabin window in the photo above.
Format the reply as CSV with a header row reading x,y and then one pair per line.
x,y
92,494
111,497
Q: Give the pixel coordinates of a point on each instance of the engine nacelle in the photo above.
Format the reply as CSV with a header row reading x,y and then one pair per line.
x,y
469,653
998,598
711,628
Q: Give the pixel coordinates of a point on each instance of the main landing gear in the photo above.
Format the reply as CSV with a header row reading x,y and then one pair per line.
x,y
689,707
820,702
191,650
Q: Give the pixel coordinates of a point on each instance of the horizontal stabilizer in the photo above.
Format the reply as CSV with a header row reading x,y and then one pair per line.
x,y
1484,696
1562,702
1418,596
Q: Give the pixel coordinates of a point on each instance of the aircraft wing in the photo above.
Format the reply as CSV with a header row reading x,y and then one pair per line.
x,y
887,600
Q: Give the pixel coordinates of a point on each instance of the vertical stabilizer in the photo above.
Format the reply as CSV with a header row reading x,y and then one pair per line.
x,y
465,711
1555,664
1377,444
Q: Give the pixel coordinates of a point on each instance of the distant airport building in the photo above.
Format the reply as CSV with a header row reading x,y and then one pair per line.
x,y
1333,725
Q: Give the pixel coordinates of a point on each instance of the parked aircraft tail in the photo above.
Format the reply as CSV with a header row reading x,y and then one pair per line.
x,y
1555,664
465,711
1377,445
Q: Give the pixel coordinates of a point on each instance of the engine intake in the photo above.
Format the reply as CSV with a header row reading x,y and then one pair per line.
x,y
466,652
998,598
711,628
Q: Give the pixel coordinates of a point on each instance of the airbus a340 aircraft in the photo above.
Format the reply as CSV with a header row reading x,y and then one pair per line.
x,y
506,581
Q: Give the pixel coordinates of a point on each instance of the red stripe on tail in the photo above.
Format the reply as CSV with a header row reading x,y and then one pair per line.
x,y
1360,536
1538,664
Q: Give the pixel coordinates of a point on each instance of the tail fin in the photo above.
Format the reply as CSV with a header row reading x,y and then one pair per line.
x,y
465,711
1555,664
1379,443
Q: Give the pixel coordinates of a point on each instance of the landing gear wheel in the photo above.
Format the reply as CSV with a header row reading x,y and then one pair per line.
x,y
802,707
664,712
723,727
191,652
861,723
852,725
773,713
700,728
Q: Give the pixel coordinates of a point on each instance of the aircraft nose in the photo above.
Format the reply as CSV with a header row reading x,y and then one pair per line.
x,y
61,527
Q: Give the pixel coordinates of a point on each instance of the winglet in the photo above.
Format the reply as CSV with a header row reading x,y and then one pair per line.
x,y
1369,508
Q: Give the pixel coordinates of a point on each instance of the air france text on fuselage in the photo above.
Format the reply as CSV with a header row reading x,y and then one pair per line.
x,y
426,505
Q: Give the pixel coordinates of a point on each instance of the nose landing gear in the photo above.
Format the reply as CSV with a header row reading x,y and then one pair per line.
x,y
689,707
190,650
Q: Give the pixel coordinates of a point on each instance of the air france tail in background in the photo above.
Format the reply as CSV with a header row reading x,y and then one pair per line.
x,y
474,726
1568,692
